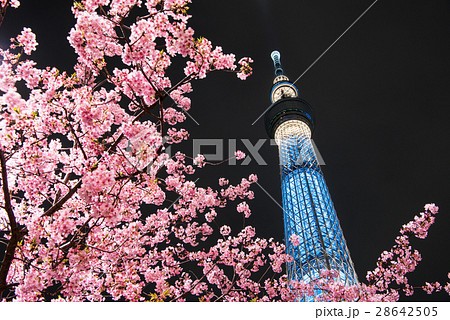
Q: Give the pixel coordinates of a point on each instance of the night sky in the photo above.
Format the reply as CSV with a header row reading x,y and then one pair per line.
x,y
381,98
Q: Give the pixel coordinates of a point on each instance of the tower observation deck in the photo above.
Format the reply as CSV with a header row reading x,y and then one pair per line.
x,y
307,207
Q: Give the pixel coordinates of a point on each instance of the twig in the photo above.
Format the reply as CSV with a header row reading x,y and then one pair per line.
x,y
63,200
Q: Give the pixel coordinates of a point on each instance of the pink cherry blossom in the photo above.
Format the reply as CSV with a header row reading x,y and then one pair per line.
x,y
244,208
27,40
245,68
225,230
199,160
239,155
294,239
12,3
223,182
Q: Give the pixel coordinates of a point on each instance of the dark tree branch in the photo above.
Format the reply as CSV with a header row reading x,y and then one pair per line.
x,y
58,193
78,142
63,200
3,12
15,233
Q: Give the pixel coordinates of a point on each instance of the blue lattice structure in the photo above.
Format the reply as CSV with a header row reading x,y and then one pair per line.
x,y
307,207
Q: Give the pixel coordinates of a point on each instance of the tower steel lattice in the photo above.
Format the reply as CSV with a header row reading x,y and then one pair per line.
x,y
307,207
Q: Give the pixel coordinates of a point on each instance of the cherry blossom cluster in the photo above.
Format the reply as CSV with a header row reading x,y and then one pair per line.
x,y
99,210
389,276
294,239
12,3
245,69
244,209
239,155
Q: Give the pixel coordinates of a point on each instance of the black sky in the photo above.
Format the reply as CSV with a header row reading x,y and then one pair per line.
x,y
381,97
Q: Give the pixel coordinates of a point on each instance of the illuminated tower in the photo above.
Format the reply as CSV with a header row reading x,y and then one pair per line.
x,y
307,207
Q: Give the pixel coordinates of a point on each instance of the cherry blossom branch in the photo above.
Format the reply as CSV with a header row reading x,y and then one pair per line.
x,y
58,193
230,287
58,205
78,142
3,8
121,136
72,190
107,251
196,283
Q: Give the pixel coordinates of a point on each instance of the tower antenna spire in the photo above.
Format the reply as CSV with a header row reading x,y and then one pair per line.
x,y
275,55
